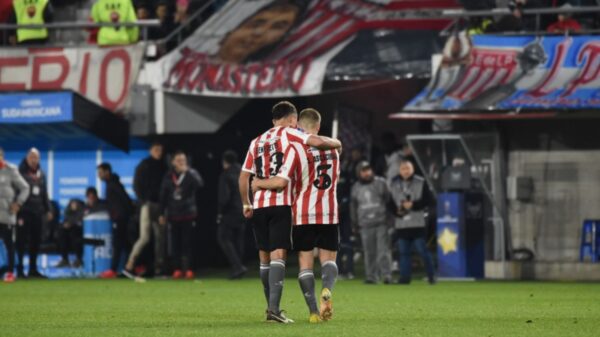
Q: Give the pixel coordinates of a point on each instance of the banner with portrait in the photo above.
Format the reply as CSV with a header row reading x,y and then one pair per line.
x,y
275,48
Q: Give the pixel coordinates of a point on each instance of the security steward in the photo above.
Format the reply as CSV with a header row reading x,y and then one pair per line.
x,y
30,12
115,11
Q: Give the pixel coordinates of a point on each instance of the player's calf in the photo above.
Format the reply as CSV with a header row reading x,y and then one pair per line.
x,y
306,278
329,275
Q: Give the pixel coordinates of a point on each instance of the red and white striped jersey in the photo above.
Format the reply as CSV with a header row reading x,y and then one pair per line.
x,y
315,175
266,155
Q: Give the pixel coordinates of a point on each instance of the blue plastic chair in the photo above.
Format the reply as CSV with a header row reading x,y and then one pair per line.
x,y
590,241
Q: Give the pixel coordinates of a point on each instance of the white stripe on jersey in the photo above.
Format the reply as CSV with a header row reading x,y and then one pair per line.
x,y
266,155
314,205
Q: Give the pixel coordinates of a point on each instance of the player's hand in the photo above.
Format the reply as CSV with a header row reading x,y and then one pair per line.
x,y
162,220
407,205
248,211
14,208
49,216
254,186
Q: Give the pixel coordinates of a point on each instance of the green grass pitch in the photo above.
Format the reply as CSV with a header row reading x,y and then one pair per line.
x,y
217,307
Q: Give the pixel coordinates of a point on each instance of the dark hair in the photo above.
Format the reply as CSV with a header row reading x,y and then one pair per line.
x,y
91,190
230,157
105,167
177,153
512,5
161,3
283,109
406,161
141,4
156,143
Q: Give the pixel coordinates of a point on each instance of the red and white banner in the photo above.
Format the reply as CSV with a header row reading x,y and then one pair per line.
x,y
103,75
265,48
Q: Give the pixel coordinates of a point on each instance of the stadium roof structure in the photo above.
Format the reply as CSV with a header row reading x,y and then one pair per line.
x,y
59,119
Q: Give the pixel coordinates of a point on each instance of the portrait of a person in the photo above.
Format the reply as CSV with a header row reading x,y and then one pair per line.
x,y
261,32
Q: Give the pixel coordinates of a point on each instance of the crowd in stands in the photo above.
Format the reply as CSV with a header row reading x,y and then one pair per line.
x,y
174,13
171,14
517,21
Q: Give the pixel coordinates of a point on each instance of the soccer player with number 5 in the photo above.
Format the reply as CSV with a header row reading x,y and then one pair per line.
x,y
313,173
271,210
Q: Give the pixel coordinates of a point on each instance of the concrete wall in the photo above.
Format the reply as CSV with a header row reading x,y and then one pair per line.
x,y
542,271
199,114
565,193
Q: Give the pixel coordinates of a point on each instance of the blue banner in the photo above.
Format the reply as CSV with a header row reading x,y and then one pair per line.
x,y
74,172
70,173
36,108
487,72
450,234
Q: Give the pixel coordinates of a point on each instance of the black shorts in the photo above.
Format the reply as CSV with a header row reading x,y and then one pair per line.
x,y
308,237
273,228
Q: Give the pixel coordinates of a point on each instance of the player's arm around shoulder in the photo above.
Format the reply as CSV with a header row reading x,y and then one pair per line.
x,y
273,183
285,174
319,142
324,143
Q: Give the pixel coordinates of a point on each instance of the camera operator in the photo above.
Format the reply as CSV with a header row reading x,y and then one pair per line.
x,y
411,198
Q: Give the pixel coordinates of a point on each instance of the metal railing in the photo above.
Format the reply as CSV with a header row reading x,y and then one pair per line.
x,y
456,15
176,35
144,25
459,15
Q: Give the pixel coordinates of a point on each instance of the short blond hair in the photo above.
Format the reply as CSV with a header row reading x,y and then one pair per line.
x,y
309,118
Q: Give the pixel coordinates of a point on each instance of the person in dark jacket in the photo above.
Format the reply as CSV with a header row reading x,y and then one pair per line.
x,y
167,23
33,213
509,23
146,184
120,208
230,219
70,234
410,198
93,204
178,207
